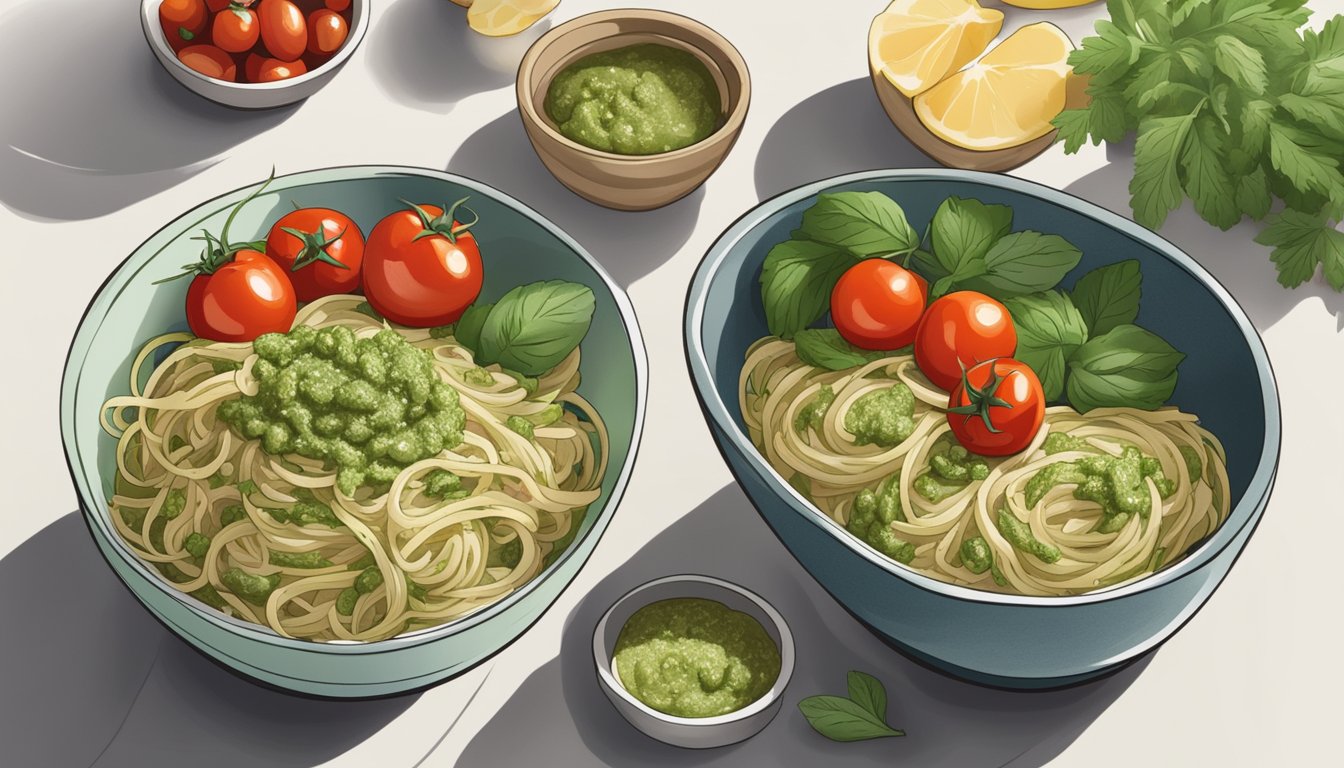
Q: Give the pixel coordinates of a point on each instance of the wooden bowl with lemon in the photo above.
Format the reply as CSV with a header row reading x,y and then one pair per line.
x,y
992,115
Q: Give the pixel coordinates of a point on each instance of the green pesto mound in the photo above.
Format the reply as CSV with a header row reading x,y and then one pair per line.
x,y
367,407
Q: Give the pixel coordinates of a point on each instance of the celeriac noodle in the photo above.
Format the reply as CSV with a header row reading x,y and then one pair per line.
x,y
436,559
831,470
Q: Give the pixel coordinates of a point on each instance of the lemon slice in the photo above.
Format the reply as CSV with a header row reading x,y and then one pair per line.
x,y
916,43
1006,99
500,18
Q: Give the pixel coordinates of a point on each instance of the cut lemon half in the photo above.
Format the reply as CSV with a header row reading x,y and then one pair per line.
x,y
500,18
916,43
1006,99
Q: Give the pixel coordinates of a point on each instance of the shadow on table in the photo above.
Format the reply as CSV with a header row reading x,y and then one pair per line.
x,y
559,715
423,54
83,136
1233,257
628,244
91,679
839,130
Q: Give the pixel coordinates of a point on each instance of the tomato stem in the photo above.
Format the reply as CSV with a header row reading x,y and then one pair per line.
x,y
219,251
445,223
315,245
982,399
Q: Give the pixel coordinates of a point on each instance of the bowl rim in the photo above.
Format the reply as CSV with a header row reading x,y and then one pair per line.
x,y
121,275
733,121
154,35
719,415
787,653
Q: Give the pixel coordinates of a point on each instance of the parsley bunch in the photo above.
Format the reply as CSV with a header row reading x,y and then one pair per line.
x,y
1234,105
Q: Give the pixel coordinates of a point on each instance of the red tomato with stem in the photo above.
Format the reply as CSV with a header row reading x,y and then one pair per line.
x,y
876,304
235,29
422,266
322,251
209,61
327,31
283,29
998,408
960,330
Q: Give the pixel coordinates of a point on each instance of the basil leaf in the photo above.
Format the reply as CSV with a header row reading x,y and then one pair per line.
x,y
535,326
824,348
1109,296
962,232
1128,367
840,719
469,325
796,284
1049,330
863,223
1024,262
869,693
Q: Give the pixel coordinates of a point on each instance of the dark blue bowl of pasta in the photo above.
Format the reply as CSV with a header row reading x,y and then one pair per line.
x,y
1002,638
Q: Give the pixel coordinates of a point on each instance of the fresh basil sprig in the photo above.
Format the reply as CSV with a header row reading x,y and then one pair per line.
x,y
1049,330
860,717
531,329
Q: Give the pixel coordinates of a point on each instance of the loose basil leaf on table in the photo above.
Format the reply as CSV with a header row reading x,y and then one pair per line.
x,y
840,719
1127,366
824,348
869,693
1049,330
1109,296
531,329
863,223
796,283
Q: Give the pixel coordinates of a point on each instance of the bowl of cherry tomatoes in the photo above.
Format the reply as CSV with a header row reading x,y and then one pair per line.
x,y
254,54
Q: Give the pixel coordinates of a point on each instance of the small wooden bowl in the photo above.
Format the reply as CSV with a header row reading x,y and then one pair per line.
x,y
631,182
901,109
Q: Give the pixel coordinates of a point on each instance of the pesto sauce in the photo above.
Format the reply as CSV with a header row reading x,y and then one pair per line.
x,y
690,657
641,100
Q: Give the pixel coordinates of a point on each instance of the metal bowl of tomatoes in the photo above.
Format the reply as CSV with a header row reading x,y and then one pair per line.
x,y
993,638
254,54
251,287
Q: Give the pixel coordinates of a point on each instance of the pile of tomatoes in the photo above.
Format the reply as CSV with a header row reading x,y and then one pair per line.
x,y
419,266
964,343
255,41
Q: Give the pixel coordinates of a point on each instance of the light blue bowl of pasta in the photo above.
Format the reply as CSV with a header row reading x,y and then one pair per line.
x,y
1004,640
518,245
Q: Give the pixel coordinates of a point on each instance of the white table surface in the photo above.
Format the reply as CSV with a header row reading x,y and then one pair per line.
x,y
99,148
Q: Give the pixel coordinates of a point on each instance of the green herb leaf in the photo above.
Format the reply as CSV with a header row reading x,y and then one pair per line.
x,y
863,223
868,692
1255,118
1049,330
1109,296
1305,159
1022,263
962,232
1241,63
1206,176
469,325
1127,366
1252,194
840,719
1108,56
535,326
824,348
1155,189
796,283
1301,241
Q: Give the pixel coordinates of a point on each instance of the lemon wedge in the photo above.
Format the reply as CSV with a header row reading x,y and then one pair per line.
x,y
916,43
500,18
1006,99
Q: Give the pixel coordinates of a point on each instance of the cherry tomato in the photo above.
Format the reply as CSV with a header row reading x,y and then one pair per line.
x,y
241,300
263,69
235,29
283,30
216,6
209,61
422,267
321,249
959,330
326,32
998,408
338,5
183,21
877,304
